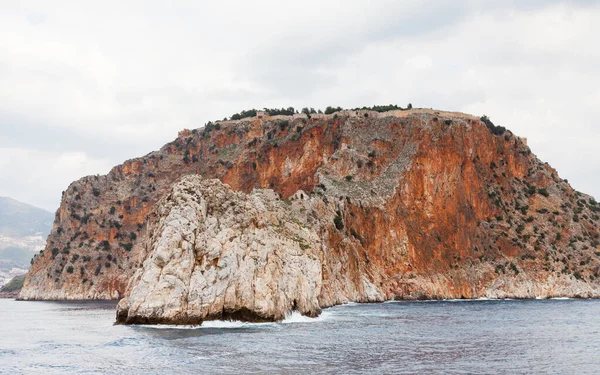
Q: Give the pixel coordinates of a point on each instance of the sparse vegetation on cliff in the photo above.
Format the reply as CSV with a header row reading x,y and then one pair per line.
x,y
496,130
379,176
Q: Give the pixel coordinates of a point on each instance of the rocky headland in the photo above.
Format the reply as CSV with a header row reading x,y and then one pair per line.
x,y
253,218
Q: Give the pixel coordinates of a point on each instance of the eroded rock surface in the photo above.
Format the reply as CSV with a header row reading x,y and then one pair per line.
x,y
215,253
410,204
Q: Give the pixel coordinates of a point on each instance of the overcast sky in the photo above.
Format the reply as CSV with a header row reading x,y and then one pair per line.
x,y
86,85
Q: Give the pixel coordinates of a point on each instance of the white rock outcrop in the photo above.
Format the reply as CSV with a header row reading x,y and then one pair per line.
x,y
213,253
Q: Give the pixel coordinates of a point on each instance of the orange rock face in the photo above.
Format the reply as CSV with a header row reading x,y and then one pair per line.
x,y
430,205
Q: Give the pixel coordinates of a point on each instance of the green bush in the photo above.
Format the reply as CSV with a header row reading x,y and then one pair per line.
x,y
544,192
339,222
126,246
244,114
383,108
496,130
329,110
70,269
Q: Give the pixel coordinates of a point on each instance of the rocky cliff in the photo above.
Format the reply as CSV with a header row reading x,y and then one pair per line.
x,y
402,204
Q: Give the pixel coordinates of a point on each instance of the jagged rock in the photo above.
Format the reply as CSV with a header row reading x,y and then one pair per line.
x,y
215,253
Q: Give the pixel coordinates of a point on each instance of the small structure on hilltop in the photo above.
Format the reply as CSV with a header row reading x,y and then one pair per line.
x,y
262,114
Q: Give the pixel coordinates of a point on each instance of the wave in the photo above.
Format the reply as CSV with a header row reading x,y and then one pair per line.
x,y
292,318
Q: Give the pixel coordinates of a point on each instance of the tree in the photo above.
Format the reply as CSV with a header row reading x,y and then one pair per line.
x,y
329,110
496,130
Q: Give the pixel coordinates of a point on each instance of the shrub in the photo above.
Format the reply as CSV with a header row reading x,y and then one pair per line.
x,y
244,114
348,178
496,130
339,223
544,192
70,269
85,218
126,246
55,252
514,268
329,110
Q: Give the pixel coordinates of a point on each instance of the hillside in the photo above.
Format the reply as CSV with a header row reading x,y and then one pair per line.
x,y
18,219
23,232
413,204
13,287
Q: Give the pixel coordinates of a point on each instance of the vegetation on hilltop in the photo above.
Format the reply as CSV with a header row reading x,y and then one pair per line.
x,y
495,129
289,111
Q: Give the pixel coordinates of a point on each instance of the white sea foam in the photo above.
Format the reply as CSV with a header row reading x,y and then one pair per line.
x,y
292,318
231,324
296,317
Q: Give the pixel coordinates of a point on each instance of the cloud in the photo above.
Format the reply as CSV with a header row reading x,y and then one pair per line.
x,y
38,177
86,86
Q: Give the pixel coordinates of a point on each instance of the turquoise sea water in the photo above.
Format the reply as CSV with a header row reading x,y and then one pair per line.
x,y
447,337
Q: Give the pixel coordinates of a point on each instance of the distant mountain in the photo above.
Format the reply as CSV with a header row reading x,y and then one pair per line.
x,y
18,219
23,233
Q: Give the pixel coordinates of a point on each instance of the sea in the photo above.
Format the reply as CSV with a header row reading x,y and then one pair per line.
x,y
429,337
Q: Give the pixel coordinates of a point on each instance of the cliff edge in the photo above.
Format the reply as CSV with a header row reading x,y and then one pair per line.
x,y
403,204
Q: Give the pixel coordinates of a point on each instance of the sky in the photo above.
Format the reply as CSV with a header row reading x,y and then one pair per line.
x,y
87,85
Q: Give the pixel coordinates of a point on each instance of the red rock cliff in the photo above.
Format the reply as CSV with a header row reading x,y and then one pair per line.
x,y
429,205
